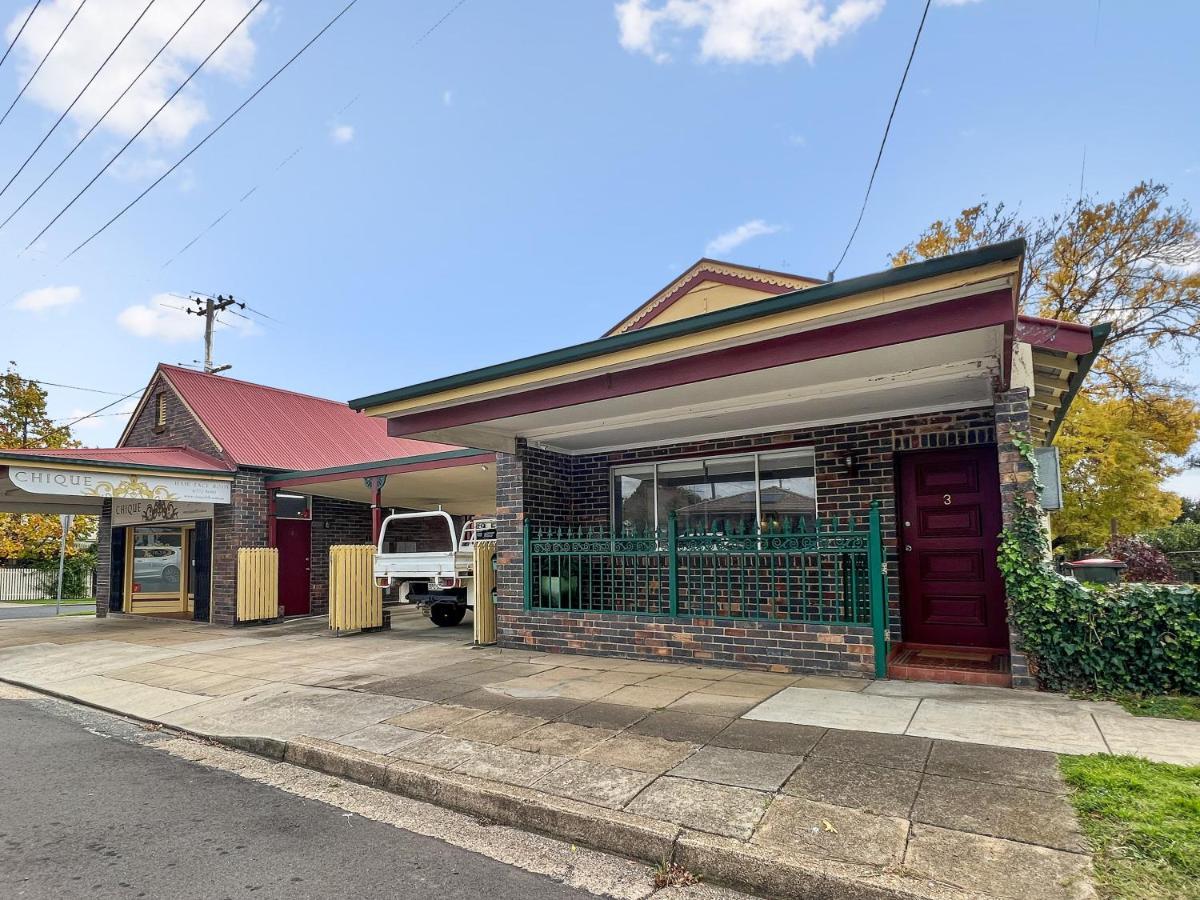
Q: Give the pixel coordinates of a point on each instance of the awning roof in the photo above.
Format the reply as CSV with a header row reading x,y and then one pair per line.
x,y
78,480
929,337
462,482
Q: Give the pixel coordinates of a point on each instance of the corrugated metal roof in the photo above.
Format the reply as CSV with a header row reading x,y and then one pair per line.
x,y
265,427
150,457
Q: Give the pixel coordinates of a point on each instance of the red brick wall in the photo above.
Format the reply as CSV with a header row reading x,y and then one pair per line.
x,y
181,430
551,489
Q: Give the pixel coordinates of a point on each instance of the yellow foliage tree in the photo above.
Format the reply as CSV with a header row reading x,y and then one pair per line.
x,y
24,424
1131,262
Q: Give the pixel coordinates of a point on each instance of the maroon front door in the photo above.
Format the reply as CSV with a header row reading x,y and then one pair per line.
x,y
293,538
949,526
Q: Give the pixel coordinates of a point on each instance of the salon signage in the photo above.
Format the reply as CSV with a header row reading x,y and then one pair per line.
x,y
154,512
71,483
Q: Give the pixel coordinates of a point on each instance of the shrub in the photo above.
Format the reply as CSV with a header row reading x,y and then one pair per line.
x,y
1143,562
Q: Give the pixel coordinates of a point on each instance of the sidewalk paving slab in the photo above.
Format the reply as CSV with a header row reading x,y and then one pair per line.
x,y
739,768
495,727
640,753
1009,725
1034,769
381,738
850,710
768,737
991,867
681,726
998,810
560,739
439,751
607,786
1165,740
605,715
855,785
891,751
834,832
715,808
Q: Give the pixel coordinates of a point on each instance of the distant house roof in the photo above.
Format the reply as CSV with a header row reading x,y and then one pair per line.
x,y
774,501
173,458
264,427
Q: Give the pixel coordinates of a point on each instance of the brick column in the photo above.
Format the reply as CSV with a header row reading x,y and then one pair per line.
x,y
531,484
1016,480
240,523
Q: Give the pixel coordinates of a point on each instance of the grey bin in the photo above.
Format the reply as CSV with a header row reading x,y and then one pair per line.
x,y
1097,570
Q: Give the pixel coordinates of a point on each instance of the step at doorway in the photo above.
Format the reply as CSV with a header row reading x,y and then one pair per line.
x,y
950,665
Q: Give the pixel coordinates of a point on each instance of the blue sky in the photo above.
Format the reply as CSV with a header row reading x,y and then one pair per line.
x,y
531,171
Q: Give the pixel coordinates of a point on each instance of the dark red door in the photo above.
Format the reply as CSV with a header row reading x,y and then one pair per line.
x,y
293,537
949,527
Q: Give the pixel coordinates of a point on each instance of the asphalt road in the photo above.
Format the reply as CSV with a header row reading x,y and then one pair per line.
x,y
84,812
39,612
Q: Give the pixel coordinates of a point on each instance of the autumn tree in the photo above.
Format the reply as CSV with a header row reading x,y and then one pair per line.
x,y
25,424
1133,262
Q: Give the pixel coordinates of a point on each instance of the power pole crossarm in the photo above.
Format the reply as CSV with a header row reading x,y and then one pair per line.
x,y
209,307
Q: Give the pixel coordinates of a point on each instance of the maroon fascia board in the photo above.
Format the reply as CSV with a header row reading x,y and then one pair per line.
x,y
397,469
962,314
1051,334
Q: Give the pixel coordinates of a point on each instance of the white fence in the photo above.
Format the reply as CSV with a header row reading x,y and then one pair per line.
x,y
30,584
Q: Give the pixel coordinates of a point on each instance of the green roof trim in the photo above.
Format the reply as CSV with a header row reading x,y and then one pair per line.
x,y
17,458
378,464
822,293
1099,337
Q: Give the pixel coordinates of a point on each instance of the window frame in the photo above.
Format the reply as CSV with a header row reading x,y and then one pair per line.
x,y
160,410
614,472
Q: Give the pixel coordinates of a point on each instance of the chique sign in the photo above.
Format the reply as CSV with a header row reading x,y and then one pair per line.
x,y
71,483
153,512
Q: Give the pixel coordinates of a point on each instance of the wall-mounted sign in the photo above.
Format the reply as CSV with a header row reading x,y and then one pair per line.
x,y
69,483
152,512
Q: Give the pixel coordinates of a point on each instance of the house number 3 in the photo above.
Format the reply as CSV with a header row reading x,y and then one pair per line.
x,y
946,500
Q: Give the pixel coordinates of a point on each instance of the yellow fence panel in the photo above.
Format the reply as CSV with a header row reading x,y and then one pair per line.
x,y
482,588
257,584
354,601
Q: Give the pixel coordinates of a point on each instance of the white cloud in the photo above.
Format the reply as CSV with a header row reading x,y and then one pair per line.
x,y
747,231
447,97
797,140
739,31
341,134
159,319
955,2
96,31
48,298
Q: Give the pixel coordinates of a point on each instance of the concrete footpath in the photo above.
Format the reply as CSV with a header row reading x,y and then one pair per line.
x,y
782,785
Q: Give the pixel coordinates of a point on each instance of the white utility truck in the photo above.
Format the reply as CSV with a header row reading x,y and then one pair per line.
x,y
437,580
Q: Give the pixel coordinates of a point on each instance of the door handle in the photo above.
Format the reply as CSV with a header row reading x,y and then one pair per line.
x,y
908,548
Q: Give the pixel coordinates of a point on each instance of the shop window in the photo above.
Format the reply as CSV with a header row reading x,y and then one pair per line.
x,y
723,493
158,560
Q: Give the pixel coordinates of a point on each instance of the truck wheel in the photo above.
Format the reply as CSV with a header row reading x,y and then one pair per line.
x,y
446,615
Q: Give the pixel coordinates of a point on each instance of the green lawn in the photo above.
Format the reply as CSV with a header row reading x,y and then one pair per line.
x,y
1143,821
1164,706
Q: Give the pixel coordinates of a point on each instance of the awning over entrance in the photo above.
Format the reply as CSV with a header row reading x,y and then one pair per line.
x,y
78,481
930,337
462,482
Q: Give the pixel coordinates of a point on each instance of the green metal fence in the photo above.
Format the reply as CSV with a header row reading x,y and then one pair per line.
x,y
827,573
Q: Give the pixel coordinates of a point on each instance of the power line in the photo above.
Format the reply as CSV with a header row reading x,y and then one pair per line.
x,y
70,387
883,143
246,196
146,124
82,91
111,107
20,31
102,409
205,139
21,93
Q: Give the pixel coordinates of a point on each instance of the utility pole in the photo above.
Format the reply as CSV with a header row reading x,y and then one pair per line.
x,y
209,307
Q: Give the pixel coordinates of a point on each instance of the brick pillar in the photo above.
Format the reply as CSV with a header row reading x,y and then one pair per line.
x,y
531,484
1016,480
240,523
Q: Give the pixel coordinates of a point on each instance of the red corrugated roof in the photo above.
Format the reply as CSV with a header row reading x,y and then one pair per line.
x,y
265,427
151,457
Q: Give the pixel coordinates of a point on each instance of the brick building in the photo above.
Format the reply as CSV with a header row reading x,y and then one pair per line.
x,y
208,465
754,468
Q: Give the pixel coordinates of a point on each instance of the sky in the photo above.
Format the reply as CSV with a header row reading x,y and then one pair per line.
x,y
403,203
